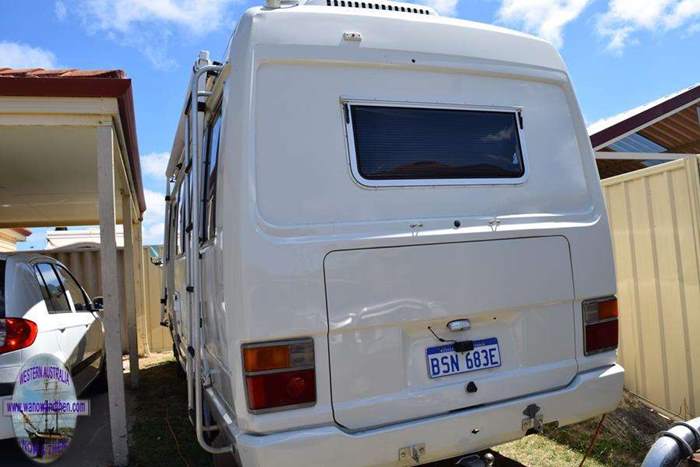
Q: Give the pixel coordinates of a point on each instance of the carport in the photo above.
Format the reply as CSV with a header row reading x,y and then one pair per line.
x,y
69,156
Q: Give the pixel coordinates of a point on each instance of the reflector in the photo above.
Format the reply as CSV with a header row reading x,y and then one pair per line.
x,y
600,325
281,389
601,336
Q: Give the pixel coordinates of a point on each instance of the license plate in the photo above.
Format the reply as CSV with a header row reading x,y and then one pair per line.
x,y
444,361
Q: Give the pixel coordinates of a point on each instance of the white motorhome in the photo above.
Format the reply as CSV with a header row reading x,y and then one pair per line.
x,y
386,240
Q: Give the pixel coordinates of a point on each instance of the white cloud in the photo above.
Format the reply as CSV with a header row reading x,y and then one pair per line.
x,y
154,164
19,55
444,7
154,217
624,18
148,25
153,233
60,10
544,18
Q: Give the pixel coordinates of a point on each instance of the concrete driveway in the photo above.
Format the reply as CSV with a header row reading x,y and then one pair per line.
x,y
91,446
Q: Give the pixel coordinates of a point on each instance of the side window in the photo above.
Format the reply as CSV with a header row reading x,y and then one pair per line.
x,y
75,293
55,295
178,211
187,220
212,162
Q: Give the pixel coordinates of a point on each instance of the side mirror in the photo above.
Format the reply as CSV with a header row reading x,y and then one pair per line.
x,y
154,254
98,303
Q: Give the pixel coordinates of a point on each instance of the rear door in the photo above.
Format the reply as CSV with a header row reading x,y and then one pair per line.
x,y
61,315
85,331
388,308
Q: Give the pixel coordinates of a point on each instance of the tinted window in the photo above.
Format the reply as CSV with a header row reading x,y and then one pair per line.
x,y
2,287
402,143
170,231
178,222
73,290
57,301
44,291
212,162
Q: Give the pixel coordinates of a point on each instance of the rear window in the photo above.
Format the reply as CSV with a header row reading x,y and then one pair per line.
x,y
2,287
434,146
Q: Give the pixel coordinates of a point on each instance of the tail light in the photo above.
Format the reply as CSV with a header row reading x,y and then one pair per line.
x,y
16,333
600,325
279,374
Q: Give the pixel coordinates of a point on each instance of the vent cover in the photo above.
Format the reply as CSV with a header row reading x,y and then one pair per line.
x,y
401,8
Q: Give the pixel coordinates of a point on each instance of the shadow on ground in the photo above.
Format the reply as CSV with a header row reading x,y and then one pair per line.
x,y
161,433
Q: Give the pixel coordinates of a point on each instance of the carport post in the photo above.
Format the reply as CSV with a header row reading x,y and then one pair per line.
x,y
129,287
142,326
110,291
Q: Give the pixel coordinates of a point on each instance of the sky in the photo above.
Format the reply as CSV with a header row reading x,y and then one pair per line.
x,y
620,54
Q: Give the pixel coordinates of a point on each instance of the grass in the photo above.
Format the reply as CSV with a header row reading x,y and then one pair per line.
x,y
624,440
161,433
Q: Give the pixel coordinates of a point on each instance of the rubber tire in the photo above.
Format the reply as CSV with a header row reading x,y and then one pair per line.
x,y
99,385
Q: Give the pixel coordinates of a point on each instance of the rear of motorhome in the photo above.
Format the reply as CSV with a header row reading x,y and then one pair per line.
x,y
386,242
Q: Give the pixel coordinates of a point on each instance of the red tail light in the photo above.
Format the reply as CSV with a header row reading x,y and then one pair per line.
x,y
16,333
279,374
600,325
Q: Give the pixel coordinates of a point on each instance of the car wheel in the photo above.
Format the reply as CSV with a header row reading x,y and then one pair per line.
x,y
99,384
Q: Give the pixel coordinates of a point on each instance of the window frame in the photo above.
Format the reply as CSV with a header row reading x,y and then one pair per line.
x,y
88,302
207,230
52,309
346,107
179,221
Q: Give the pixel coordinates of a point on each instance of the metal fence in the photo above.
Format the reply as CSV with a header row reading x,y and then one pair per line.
x,y
654,220
84,263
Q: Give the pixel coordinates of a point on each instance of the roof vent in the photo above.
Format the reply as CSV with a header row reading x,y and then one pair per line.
x,y
381,6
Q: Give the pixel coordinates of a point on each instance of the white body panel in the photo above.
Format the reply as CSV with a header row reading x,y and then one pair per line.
x,y
303,249
381,301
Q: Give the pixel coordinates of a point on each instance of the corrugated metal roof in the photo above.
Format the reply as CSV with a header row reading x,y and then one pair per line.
x,y
667,125
678,129
636,143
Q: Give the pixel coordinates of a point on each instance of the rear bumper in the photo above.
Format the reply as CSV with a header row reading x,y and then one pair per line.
x,y
590,393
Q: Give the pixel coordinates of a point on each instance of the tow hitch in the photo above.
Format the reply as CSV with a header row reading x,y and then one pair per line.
x,y
534,421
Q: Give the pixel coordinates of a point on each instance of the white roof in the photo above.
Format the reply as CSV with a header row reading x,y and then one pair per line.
x,y
318,25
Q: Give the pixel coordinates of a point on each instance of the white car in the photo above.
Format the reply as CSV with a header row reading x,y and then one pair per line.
x,y
43,309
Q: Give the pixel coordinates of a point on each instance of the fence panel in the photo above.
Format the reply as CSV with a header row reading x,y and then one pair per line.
x,y
84,263
654,215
